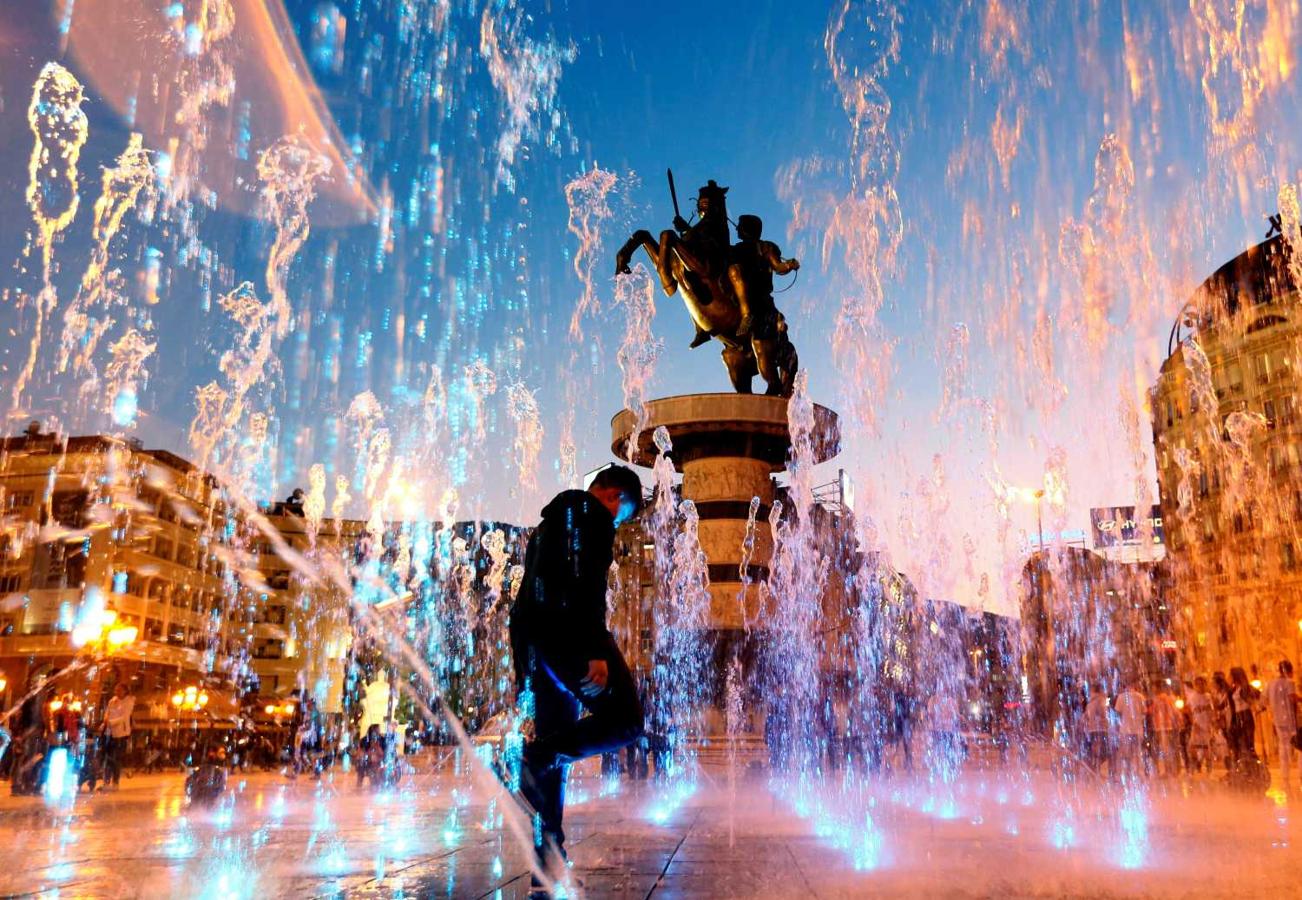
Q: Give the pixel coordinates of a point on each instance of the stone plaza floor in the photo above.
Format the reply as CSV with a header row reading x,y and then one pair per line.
x,y
984,833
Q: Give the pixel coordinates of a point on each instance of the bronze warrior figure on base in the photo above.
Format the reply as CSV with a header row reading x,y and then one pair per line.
x,y
727,288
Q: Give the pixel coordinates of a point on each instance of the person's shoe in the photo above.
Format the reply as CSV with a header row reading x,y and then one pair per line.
x,y
702,337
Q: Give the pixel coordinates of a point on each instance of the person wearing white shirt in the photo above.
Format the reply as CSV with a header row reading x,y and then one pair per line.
x,y
1198,703
1281,697
1132,708
117,728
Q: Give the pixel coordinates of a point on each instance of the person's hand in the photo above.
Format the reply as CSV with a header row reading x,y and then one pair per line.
x,y
680,223
595,682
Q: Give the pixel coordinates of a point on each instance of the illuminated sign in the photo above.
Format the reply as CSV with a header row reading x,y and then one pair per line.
x,y
1117,526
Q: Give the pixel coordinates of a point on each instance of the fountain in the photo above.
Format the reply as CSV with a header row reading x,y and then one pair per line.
x,y
356,254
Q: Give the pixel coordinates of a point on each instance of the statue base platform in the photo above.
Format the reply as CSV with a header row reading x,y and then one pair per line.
x,y
727,447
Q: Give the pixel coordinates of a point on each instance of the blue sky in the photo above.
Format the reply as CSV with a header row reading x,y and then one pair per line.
x,y
997,115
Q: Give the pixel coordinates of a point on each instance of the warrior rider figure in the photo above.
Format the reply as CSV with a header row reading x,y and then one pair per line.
x,y
754,262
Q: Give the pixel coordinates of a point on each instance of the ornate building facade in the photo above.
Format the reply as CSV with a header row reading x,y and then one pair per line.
x,y
1228,447
101,535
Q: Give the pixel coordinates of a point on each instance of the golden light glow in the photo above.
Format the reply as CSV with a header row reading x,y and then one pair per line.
x,y
1256,683
190,698
286,709
1179,703
122,635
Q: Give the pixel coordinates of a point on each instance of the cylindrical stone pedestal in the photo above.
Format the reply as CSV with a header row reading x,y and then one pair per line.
x,y
727,446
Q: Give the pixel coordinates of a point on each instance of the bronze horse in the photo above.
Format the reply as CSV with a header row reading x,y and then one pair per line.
x,y
697,260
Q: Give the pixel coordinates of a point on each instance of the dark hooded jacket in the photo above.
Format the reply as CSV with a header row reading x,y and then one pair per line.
x,y
561,607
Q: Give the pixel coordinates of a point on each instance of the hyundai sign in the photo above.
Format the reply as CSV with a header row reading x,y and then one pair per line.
x,y
1116,526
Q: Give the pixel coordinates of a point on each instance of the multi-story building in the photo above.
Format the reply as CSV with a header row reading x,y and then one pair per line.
x,y
1229,457
1086,619
298,629
96,527
103,538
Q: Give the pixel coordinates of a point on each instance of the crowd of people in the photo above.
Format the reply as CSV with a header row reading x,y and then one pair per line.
x,y
92,745
1230,722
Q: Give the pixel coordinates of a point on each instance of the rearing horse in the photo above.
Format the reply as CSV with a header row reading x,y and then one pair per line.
x,y
694,259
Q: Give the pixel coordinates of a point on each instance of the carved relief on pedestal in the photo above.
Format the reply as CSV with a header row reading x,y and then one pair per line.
x,y
722,539
727,478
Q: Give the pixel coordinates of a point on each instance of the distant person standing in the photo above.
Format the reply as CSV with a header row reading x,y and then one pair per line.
x,y
1166,724
1243,724
1281,696
946,726
1198,704
1132,709
117,731
1098,727
1222,692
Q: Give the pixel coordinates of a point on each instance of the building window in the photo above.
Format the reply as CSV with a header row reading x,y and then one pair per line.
x,y
10,582
21,498
1234,375
268,648
1261,368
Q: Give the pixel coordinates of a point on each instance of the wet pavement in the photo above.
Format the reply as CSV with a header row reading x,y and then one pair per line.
x,y
442,835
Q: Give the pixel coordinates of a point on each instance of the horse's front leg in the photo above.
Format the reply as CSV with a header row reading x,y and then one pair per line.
x,y
640,238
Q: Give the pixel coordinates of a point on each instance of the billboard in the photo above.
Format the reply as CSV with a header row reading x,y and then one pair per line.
x,y
1117,526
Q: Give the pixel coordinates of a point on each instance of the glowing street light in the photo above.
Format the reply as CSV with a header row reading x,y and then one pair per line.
x,y
120,636
102,632
1036,496
190,699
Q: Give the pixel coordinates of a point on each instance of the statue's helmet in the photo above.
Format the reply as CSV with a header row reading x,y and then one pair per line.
x,y
749,228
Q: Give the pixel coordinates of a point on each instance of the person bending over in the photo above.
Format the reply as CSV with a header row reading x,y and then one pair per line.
x,y
562,650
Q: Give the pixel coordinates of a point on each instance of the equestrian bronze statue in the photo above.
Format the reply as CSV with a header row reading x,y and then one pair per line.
x,y
727,288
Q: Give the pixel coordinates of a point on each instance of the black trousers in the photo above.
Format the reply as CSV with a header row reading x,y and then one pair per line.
x,y
561,737
115,749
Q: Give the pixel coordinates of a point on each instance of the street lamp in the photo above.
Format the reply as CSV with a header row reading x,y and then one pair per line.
x,y
190,699
102,632
1038,496
1031,495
